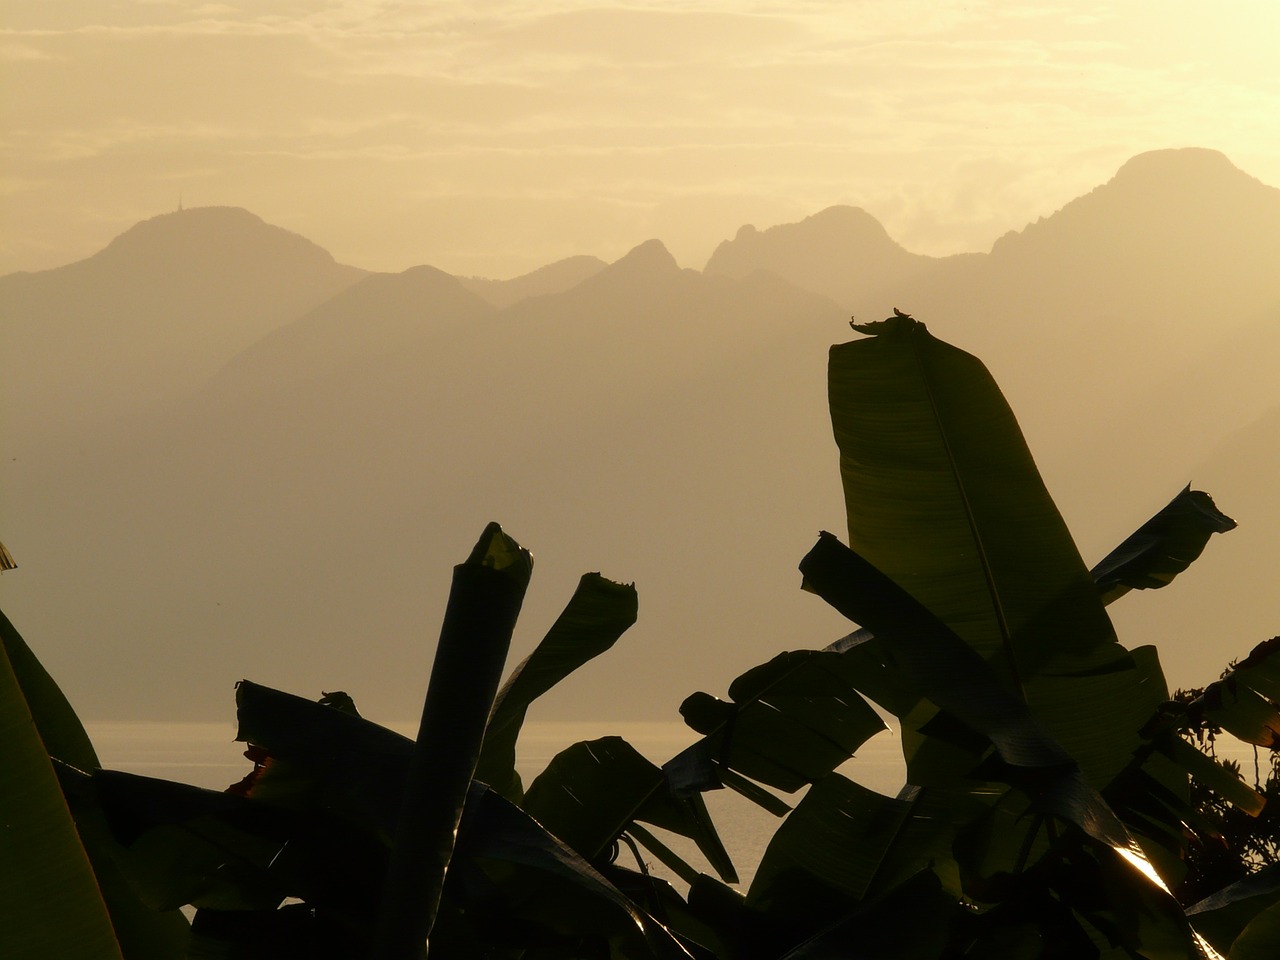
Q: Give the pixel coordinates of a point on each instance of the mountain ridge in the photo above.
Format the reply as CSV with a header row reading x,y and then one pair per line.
x,y
665,425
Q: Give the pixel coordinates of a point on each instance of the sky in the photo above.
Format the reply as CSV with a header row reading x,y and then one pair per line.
x,y
493,136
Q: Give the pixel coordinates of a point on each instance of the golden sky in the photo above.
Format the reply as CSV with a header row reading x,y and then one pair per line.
x,y
493,136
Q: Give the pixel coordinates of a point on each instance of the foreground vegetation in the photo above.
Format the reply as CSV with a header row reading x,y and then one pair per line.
x,y
1047,810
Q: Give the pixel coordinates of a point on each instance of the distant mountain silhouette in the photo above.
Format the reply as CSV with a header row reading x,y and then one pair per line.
x,y
312,464
838,253
391,315
163,305
326,478
1086,314
553,278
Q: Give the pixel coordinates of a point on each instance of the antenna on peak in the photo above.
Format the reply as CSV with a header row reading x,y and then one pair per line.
x,y
179,201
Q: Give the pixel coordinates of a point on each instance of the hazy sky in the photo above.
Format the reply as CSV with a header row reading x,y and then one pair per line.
x,y
491,137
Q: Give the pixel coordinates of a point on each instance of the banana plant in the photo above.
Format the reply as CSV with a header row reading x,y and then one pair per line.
x,y
985,634
348,839
1043,815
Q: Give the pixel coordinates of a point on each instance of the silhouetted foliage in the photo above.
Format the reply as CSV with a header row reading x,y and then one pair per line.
x,y
1242,844
1046,813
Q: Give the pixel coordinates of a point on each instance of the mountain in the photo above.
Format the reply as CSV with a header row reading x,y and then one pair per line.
x,y
162,306
837,253
1145,306
553,278
1134,332
295,518
288,509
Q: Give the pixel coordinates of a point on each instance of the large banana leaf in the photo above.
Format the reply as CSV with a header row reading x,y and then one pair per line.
x,y
824,857
944,498
792,721
50,905
598,613
592,792
911,922
947,672
238,859
514,877
142,933
484,603
1244,702
1163,547
1224,915
311,755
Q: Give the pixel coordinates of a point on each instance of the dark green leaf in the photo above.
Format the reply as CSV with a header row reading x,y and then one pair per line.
x,y
1212,774
1243,713
1161,548
1244,701
186,845
912,922
1260,939
314,756
1221,916
141,932
599,612
794,719
517,882
824,856
50,905
295,930
591,791
484,603
943,496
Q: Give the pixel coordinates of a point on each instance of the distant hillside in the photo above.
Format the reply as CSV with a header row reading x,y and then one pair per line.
x,y
1148,304
162,306
319,488
553,278
280,479
838,253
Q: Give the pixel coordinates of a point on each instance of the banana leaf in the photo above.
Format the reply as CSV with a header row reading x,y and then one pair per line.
x,y
947,672
912,922
521,885
180,844
294,930
792,721
1223,915
1163,547
592,792
943,497
1244,702
139,932
309,755
823,858
50,905
484,603
598,613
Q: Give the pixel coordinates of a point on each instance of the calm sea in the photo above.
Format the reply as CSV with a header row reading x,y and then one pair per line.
x,y
206,755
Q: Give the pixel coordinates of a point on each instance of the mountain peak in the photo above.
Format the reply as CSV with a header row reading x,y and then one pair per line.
x,y
649,255
649,259
219,236
1189,203
836,252
1176,164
